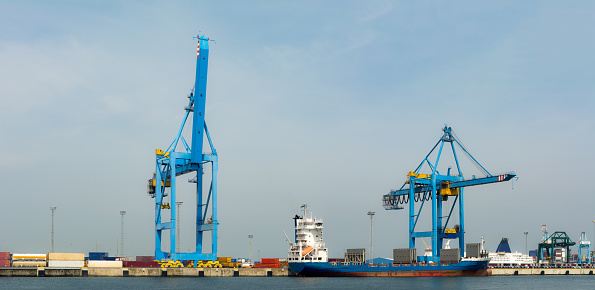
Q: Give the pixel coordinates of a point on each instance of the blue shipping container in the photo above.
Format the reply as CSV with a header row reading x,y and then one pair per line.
x,y
98,254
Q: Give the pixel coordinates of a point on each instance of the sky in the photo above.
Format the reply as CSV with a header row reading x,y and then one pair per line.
x,y
328,103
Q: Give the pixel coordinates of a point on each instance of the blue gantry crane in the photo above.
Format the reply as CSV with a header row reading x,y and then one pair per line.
x,y
584,244
190,160
437,188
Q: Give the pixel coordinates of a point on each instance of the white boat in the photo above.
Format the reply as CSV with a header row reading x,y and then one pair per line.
x,y
504,257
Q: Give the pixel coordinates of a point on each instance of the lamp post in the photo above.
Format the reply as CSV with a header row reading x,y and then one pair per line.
x,y
178,207
53,208
371,214
122,213
250,253
526,233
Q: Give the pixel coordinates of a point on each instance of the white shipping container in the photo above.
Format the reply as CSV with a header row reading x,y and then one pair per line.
x,y
104,264
66,264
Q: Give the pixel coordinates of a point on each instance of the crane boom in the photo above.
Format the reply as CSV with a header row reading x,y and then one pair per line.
x,y
453,184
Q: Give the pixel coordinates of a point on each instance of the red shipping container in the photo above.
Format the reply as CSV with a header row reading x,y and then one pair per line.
x,y
145,258
270,261
4,263
268,265
140,264
4,255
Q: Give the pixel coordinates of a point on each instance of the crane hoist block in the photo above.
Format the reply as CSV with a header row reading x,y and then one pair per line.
x,y
154,182
446,190
449,191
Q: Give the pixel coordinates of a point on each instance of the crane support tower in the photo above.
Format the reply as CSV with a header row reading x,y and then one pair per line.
x,y
437,188
584,245
191,160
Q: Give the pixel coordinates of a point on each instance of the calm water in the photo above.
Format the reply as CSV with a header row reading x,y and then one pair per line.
x,y
269,283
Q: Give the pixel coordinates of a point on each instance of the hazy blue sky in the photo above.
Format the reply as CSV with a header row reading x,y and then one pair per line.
x,y
328,103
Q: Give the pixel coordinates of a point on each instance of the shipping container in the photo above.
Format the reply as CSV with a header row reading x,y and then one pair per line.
x,y
4,263
141,264
104,264
98,254
29,257
4,255
269,261
265,265
224,259
109,258
66,264
66,256
145,258
28,263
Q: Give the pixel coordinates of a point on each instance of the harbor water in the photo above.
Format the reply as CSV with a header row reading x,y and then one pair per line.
x,y
490,282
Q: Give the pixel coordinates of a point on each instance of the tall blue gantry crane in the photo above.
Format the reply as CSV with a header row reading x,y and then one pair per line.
x,y
191,160
437,188
584,245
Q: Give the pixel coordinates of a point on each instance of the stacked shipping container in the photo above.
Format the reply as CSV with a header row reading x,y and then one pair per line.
x,y
4,259
142,262
268,263
66,260
97,256
28,260
228,262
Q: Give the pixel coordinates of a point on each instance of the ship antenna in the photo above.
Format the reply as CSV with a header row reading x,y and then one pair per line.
x,y
304,206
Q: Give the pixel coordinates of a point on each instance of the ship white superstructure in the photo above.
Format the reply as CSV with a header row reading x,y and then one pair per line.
x,y
509,259
308,245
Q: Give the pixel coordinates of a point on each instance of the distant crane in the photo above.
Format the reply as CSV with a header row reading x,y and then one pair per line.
x,y
437,188
192,160
583,243
543,250
555,240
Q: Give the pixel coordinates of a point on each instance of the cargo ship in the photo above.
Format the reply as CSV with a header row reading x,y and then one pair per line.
x,y
308,256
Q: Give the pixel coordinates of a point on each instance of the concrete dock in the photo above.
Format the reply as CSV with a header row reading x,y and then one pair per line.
x,y
143,272
541,271
228,272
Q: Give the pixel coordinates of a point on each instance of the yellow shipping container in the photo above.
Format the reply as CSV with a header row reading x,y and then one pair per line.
x,y
28,263
28,257
224,259
66,256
